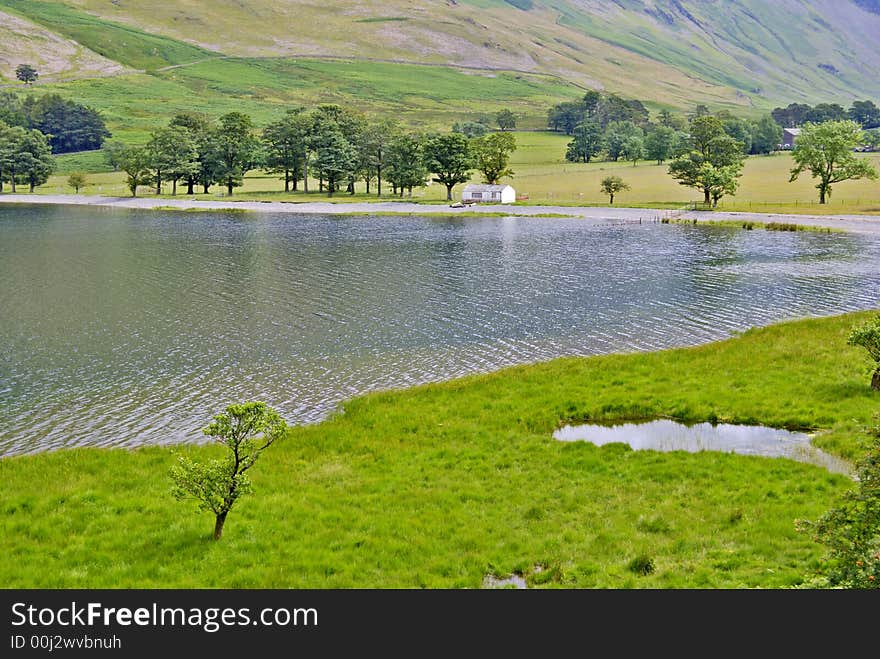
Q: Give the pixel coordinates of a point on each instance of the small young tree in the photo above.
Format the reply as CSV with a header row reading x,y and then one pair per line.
x,y
868,337
26,73
611,185
76,180
246,430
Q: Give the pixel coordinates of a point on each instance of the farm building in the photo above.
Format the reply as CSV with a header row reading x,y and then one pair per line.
x,y
493,194
789,135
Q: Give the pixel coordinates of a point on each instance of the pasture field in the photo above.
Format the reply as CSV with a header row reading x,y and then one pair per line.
x,y
540,171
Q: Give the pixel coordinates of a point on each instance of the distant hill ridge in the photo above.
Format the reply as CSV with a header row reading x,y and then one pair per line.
x,y
749,53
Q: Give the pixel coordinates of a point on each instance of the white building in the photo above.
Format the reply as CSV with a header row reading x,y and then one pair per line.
x,y
492,194
789,137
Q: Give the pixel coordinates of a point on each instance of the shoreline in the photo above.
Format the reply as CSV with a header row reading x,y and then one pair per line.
x,y
855,223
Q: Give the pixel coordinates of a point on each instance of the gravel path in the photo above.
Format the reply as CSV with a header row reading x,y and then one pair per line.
x,y
859,223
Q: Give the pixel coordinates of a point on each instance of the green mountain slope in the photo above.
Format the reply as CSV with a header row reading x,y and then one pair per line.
x,y
747,54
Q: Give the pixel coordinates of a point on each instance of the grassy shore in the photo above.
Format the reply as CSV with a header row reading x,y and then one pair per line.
x,y
540,171
439,485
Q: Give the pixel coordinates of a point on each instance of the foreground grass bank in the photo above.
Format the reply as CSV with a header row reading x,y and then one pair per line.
x,y
439,485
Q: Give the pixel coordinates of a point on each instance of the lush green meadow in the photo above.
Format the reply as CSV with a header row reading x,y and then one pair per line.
x,y
439,485
541,172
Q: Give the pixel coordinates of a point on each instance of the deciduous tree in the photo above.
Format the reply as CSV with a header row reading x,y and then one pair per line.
x,y
826,151
611,185
246,430
26,73
449,158
492,156
587,142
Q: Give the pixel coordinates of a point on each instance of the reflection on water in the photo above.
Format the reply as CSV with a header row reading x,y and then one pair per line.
x,y
665,435
122,328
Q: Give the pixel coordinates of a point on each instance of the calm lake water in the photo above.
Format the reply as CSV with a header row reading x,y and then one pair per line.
x,y
134,327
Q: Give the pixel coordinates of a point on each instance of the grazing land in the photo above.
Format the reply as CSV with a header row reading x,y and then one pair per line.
x,y
540,171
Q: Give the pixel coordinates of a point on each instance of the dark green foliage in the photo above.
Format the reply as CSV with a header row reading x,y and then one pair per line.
x,y
449,158
70,125
26,73
851,531
642,565
587,142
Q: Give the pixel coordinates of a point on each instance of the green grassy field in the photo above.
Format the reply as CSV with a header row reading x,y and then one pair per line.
x,y
540,171
439,485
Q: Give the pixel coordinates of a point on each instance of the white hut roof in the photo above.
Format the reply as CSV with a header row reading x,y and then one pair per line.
x,y
483,187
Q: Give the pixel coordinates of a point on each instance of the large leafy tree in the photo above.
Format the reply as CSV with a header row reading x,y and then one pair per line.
x,y
492,156
237,148
714,162
406,164
26,73
617,134
34,161
826,151
246,430
335,157
11,140
173,155
374,148
201,132
659,143
766,135
587,142
505,119
284,149
69,125
135,162
449,158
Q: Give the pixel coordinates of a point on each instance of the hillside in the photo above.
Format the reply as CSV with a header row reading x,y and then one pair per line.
x,y
746,55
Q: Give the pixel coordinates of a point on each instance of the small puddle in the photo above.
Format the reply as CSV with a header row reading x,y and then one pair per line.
x,y
665,435
513,581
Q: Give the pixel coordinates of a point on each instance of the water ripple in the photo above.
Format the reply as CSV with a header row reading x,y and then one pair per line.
x,y
124,328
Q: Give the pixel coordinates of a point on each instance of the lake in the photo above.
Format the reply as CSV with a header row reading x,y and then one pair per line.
x,y
131,327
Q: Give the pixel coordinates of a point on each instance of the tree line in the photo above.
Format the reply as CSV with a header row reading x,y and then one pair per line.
x,y
68,125
795,115
610,127
335,145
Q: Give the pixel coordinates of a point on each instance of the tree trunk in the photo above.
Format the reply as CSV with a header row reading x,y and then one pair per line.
x,y
449,192
822,195
174,188
367,181
218,525
207,187
287,180
875,380
190,185
32,186
229,187
706,200
378,180
611,203
158,182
